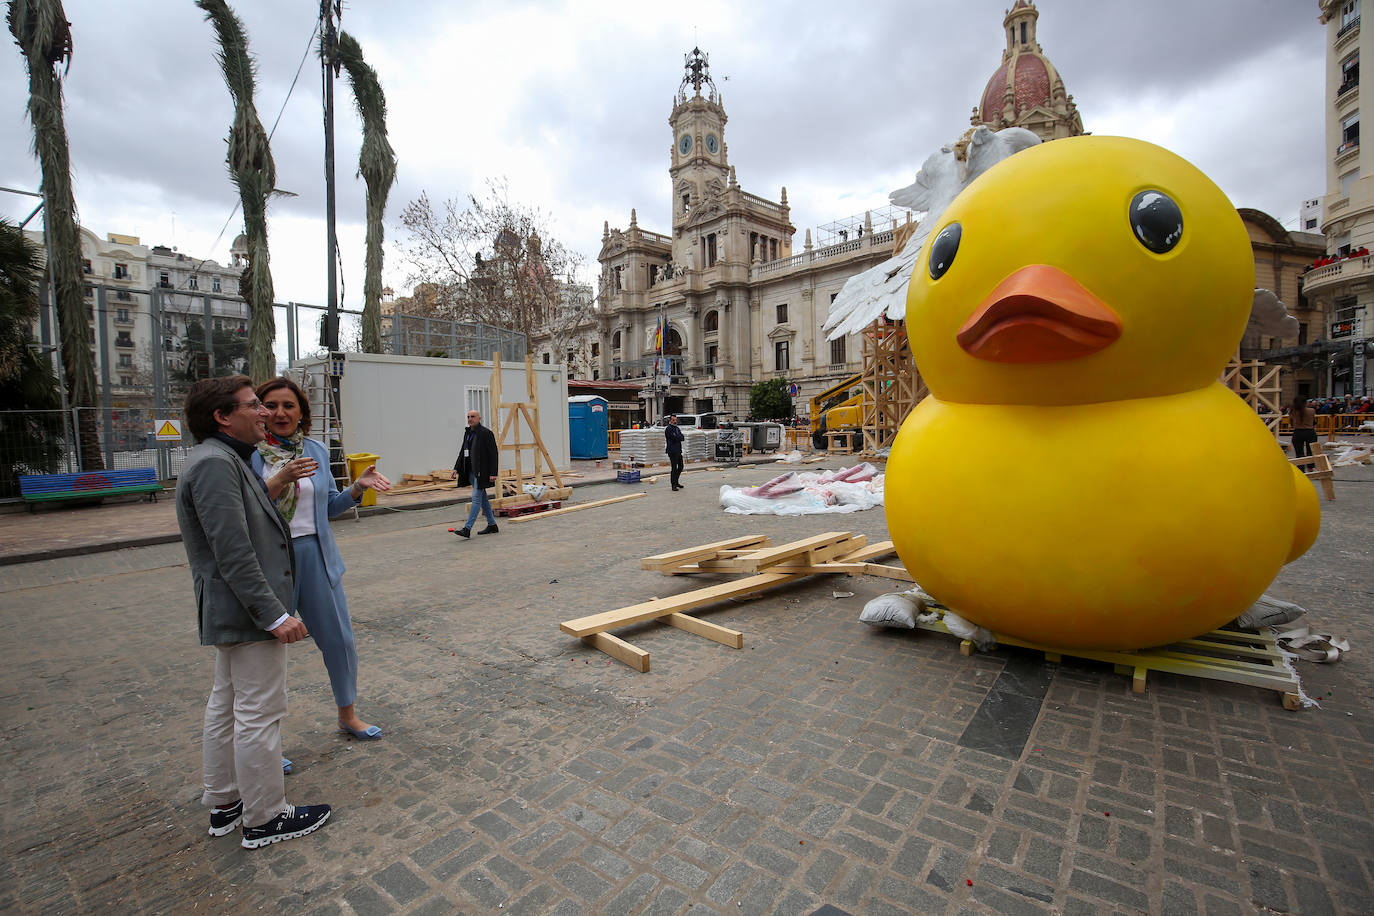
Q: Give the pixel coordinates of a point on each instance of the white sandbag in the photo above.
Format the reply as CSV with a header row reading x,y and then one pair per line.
x,y
1268,611
982,639
895,610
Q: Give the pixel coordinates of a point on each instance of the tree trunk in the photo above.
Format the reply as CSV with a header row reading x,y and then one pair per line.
x,y
45,43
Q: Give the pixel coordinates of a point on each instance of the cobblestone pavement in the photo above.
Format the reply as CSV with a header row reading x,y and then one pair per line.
x,y
523,772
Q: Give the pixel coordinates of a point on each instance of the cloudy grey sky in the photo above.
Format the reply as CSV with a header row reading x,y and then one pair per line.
x,y
839,102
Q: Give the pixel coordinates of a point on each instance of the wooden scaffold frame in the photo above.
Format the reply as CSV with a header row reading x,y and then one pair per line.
x,y
508,420
1258,384
891,385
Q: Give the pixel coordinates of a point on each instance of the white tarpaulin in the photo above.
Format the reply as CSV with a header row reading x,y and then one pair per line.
x,y
808,493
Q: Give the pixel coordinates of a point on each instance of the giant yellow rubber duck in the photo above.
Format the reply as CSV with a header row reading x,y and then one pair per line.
x,y
1078,478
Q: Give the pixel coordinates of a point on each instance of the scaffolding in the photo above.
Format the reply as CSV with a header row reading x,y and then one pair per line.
x,y
852,228
892,385
416,335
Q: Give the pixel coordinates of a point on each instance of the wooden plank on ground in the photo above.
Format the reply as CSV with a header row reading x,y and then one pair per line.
x,y
550,493
714,632
761,559
661,607
692,554
620,650
577,508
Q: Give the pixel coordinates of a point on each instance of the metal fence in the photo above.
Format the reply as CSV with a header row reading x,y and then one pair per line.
x,y
46,442
415,335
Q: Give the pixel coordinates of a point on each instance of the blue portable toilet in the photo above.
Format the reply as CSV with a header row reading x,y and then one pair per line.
x,y
587,421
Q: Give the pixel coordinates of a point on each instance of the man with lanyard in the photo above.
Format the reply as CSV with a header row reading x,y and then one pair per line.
x,y
477,463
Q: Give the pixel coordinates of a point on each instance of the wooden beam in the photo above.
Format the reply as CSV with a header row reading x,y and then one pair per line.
x,y
726,637
620,650
661,607
772,556
521,498
692,554
567,509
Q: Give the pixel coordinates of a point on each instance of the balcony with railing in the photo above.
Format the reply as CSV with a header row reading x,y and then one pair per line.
x,y
1344,271
874,240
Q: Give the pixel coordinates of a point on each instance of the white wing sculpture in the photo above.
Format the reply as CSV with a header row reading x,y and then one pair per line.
x,y
881,290
1268,315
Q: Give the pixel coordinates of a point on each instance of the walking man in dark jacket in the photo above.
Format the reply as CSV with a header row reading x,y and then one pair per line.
x,y
478,461
243,569
672,435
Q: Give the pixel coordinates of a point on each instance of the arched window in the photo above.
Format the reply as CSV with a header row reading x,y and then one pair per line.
x,y
712,322
673,345
615,341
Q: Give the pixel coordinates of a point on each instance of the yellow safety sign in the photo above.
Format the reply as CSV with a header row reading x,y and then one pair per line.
x,y
168,431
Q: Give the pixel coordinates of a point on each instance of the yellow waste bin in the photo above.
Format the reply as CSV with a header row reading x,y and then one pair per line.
x,y
358,463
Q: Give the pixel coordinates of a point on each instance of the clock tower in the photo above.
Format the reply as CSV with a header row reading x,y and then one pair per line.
x,y
700,170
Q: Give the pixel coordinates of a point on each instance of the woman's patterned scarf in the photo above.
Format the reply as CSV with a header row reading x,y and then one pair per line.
x,y
276,452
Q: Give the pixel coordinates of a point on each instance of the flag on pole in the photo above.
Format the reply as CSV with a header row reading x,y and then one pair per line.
x,y
658,334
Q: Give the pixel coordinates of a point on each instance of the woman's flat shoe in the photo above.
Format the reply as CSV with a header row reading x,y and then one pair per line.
x,y
285,767
371,733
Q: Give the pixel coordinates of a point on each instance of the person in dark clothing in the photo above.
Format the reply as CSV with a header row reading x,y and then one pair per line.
x,y
477,463
673,443
1304,421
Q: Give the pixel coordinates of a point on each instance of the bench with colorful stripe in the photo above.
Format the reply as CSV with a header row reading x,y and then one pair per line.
x,y
36,488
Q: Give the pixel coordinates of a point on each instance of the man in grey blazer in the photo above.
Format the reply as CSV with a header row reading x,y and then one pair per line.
x,y
243,570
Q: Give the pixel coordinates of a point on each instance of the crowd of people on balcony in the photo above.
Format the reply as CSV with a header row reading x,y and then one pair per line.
x,y
1326,259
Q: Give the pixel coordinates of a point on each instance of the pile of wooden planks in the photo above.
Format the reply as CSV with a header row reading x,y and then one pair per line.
x,y
420,483
761,564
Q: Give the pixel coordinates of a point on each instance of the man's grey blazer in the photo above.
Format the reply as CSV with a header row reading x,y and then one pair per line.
x,y
239,547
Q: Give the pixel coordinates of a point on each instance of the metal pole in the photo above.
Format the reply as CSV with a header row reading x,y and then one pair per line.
x,y
290,333
329,43
164,463
209,338
103,336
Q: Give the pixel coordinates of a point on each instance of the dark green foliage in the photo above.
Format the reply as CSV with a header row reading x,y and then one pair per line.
x,y
769,400
31,420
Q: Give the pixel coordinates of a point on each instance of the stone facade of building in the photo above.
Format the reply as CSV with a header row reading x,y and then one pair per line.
x,y
1026,90
731,300
1344,290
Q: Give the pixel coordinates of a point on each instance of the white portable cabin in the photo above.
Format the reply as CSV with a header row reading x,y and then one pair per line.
x,y
412,410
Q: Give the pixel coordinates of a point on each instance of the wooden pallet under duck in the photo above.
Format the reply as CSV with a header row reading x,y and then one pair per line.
x,y
1227,654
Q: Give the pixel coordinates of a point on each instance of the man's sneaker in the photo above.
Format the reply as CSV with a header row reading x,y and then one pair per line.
x,y
224,819
296,820
464,532
490,529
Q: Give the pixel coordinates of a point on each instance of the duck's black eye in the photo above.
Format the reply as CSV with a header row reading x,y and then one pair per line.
x,y
1156,221
943,250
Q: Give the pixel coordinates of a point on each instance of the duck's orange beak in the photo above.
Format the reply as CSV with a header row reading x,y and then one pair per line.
x,y
1038,315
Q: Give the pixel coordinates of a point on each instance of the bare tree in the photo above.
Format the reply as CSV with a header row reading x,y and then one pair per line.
x,y
490,260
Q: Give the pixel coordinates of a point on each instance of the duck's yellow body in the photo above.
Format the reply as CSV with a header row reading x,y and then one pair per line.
x,y
1078,478
1113,526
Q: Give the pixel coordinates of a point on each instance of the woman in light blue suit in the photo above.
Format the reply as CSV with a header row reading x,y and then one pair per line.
x,y
288,461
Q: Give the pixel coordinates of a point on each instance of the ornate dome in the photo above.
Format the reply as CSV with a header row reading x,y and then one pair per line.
x,y
1026,90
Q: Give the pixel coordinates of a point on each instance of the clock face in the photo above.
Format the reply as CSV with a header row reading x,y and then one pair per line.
x,y
684,146
712,145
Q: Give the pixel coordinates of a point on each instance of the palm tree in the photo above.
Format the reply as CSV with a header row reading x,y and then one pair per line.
x,y
377,166
30,407
44,35
255,175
